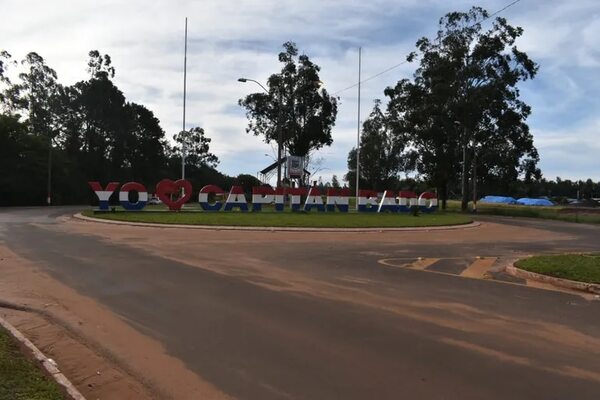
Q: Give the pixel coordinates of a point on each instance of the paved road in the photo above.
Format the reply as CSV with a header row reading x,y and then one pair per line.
x,y
345,325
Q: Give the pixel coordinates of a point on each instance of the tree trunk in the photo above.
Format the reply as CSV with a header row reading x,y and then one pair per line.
x,y
443,194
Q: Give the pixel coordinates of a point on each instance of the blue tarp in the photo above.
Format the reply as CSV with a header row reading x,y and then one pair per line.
x,y
534,202
498,199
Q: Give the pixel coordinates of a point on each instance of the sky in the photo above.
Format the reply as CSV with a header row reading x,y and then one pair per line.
x,y
232,39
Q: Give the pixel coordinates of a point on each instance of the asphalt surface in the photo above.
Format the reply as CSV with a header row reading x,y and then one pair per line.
x,y
407,335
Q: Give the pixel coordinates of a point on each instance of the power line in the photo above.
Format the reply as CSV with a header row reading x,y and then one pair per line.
x,y
406,61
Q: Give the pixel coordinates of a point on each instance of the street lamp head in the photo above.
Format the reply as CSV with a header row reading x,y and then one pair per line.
x,y
242,80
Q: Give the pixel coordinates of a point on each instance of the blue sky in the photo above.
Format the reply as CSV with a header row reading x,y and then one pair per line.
x,y
230,39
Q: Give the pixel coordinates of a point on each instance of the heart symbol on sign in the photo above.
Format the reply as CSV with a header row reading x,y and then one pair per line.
x,y
167,187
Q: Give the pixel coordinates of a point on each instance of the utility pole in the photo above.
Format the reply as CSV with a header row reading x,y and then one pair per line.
x,y
464,188
463,182
358,131
475,179
49,198
185,138
279,137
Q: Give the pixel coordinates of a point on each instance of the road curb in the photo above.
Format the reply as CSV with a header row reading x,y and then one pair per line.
x,y
82,217
563,283
47,363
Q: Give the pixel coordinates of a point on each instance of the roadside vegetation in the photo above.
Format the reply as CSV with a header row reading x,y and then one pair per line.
x,y
570,214
575,267
20,378
311,219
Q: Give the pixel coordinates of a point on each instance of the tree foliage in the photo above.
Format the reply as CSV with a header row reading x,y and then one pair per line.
x,y
380,154
95,134
196,147
100,66
296,103
335,183
465,93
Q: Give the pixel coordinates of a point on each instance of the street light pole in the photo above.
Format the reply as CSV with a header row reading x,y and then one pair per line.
x,y
279,140
475,179
184,144
49,197
463,184
279,127
464,199
358,131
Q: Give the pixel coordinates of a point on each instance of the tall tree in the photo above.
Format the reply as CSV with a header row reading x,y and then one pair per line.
x,y
22,162
197,148
335,183
107,137
35,94
296,103
145,144
5,61
380,154
100,66
465,96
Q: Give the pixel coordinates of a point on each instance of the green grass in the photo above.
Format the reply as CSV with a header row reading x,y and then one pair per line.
x,y
555,213
20,378
576,267
311,219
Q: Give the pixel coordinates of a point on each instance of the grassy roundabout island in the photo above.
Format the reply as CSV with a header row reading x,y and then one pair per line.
x,y
575,267
286,219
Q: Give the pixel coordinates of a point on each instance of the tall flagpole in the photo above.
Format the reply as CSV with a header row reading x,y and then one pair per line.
x,y
358,131
183,146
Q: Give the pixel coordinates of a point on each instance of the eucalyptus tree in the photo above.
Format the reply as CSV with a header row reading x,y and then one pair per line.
x,y
197,148
464,101
380,154
295,109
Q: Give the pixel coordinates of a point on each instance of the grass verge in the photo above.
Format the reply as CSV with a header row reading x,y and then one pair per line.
x,y
287,219
555,213
20,378
575,267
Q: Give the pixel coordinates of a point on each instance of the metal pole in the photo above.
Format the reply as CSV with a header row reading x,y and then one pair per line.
x,y
464,199
183,146
475,180
49,198
279,138
358,131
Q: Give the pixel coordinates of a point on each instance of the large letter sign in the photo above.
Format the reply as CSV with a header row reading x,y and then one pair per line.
x,y
203,197
314,199
367,201
236,198
133,187
103,194
388,202
166,188
297,199
426,197
406,199
266,195
337,198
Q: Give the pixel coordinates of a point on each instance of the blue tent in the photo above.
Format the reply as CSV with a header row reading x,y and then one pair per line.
x,y
498,200
534,202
